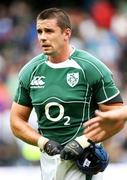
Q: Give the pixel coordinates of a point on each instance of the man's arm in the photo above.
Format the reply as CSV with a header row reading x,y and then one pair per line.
x,y
19,124
21,129
106,124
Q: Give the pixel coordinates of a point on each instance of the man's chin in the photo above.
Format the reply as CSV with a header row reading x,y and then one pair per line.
x,y
47,53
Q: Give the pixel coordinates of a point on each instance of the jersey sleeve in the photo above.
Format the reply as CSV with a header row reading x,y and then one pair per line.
x,y
105,88
22,96
100,79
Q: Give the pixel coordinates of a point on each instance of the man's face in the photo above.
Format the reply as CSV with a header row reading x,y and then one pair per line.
x,y
52,39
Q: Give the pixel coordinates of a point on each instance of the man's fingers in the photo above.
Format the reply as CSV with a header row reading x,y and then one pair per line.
x,y
99,118
101,136
102,115
92,121
98,113
97,135
91,127
93,133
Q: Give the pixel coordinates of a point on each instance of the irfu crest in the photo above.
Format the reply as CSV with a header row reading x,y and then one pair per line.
x,y
72,79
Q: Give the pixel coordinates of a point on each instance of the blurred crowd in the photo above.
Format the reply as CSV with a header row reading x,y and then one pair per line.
x,y
99,27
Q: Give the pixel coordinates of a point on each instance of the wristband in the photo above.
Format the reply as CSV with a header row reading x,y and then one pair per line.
x,y
83,141
41,142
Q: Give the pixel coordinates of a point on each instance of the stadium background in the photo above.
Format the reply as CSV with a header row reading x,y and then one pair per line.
x,y
100,27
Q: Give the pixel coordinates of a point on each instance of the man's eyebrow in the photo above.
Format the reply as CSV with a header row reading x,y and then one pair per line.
x,y
49,29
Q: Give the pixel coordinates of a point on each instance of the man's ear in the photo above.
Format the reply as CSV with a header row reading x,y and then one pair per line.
x,y
67,34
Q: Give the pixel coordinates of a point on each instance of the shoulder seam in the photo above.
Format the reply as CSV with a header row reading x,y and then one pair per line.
x,y
29,64
93,64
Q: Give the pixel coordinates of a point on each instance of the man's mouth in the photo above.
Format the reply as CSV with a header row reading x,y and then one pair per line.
x,y
45,45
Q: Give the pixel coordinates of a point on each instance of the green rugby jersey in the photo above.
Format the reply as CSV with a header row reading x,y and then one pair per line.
x,y
65,94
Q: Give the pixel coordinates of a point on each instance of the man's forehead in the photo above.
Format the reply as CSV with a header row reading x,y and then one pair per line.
x,y
46,22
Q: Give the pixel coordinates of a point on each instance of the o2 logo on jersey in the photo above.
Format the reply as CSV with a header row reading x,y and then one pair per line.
x,y
72,79
60,116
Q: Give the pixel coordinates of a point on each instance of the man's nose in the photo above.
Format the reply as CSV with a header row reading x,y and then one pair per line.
x,y
43,37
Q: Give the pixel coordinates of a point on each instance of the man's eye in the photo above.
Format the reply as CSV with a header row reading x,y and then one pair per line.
x,y
39,31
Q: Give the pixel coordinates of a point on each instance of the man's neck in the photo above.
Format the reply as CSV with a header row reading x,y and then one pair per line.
x,y
61,57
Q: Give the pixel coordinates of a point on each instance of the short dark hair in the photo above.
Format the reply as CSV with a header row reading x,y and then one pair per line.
x,y
62,17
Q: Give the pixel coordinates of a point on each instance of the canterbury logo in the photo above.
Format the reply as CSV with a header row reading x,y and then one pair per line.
x,y
38,82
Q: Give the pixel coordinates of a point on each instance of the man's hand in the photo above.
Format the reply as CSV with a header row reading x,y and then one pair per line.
x,y
104,126
52,148
72,150
75,148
